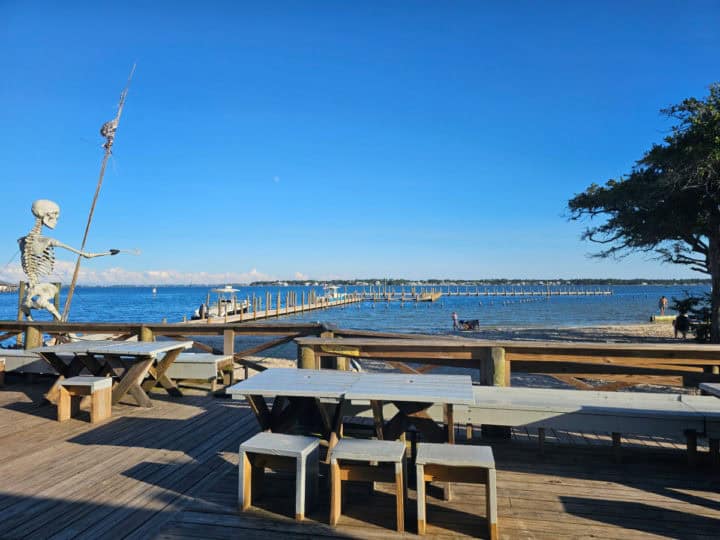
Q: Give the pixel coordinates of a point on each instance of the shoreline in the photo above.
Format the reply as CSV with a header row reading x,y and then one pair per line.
x,y
615,333
611,333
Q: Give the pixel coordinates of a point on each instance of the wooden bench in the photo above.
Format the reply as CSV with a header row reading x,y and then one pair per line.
x,y
279,452
354,460
72,390
670,415
203,367
456,463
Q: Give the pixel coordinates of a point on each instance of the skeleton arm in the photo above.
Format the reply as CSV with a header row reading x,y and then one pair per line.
x,y
57,243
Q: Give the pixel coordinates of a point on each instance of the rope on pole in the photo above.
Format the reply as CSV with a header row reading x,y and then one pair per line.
x,y
108,131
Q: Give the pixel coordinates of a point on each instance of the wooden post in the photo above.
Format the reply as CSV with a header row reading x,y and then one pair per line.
x,y
20,314
302,303
268,302
33,337
495,371
277,311
306,357
332,362
145,334
229,341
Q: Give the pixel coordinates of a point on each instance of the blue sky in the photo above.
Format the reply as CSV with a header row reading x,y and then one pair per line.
x,y
338,139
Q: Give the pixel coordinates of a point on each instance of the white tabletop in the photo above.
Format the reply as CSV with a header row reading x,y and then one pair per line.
x,y
293,382
140,348
77,346
125,348
455,389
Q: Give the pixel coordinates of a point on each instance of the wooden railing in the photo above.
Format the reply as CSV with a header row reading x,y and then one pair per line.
x,y
32,333
584,365
611,365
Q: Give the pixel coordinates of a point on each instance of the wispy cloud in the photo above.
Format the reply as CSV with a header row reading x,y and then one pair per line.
x,y
300,276
121,276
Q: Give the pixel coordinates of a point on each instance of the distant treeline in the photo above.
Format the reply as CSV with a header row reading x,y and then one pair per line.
x,y
488,282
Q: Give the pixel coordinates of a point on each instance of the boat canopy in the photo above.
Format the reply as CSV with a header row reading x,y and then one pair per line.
x,y
226,289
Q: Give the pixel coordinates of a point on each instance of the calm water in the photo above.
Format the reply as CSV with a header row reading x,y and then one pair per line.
x,y
627,304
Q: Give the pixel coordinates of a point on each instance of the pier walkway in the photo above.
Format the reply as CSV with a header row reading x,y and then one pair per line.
x,y
170,472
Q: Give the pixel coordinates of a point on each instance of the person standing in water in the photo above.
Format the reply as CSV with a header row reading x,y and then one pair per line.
x,y
455,321
662,304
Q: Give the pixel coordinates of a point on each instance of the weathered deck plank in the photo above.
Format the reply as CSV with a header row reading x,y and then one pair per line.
x,y
170,472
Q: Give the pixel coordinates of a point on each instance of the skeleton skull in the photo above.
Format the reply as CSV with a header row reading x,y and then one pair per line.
x,y
47,211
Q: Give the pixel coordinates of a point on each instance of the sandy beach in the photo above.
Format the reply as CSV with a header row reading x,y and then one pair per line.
x,y
632,333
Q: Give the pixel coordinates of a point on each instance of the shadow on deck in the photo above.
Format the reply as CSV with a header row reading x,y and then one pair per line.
x,y
170,472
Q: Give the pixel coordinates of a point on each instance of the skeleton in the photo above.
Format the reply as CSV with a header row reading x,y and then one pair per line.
x,y
38,259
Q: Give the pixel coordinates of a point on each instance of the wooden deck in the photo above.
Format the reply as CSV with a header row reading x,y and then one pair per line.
x,y
170,472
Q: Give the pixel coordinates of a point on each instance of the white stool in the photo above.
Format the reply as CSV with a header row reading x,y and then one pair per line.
x,y
350,460
72,390
280,452
456,463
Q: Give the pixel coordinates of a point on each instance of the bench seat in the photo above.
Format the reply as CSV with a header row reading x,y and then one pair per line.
x,y
199,366
711,389
22,361
622,412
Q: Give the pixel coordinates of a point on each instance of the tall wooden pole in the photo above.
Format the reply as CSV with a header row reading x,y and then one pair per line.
x,y
108,131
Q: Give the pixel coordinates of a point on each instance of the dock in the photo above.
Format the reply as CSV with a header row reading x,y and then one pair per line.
x,y
274,306
170,472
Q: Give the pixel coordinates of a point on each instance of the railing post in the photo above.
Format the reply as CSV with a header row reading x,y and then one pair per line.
x,y
495,371
145,334
33,337
306,357
20,315
229,341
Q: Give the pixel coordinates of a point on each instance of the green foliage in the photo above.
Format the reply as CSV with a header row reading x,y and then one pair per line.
x,y
669,202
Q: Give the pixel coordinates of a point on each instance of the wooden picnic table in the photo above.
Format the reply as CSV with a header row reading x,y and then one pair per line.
x,y
412,395
306,399
317,400
132,362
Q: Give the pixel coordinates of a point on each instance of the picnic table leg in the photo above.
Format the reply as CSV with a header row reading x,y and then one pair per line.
x,y
336,425
132,379
52,395
262,413
158,375
140,396
379,421
449,422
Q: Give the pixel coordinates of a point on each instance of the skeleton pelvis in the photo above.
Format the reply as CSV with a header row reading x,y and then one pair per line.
x,y
39,294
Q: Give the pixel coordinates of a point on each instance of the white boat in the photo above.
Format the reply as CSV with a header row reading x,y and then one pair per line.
x,y
226,304
332,294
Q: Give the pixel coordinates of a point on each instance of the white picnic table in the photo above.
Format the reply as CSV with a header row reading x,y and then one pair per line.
x,y
412,395
318,397
131,361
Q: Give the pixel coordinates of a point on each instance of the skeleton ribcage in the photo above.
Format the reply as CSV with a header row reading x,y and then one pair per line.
x,y
36,265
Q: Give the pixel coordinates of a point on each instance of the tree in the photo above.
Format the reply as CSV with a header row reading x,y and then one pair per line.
x,y
670,201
